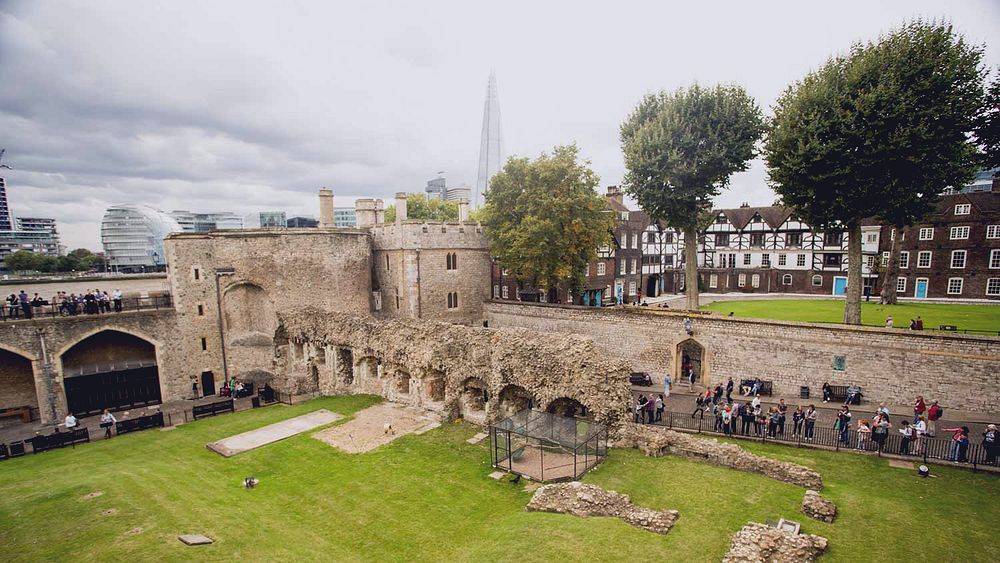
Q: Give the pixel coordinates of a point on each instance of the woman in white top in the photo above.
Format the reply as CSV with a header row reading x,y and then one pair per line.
x,y
107,421
70,422
919,429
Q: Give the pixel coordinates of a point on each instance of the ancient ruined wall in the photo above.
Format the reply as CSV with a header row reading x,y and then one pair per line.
x,y
266,272
961,371
417,270
17,381
447,367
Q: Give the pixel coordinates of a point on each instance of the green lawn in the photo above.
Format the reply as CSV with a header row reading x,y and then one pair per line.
x,y
428,498
965,317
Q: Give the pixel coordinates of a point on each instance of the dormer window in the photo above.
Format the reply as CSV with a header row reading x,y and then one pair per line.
x,y
963,209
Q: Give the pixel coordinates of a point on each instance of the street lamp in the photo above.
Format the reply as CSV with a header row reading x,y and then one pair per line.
x,y
219,273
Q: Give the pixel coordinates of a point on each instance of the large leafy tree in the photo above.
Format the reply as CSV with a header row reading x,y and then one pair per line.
x,y
988,126
680,150
880,133
420,207
545,219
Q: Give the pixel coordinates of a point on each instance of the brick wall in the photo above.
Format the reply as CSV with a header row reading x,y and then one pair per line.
x,y
962,372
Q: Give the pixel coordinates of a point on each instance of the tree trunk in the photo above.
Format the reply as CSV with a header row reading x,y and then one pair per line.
x,y
691,267
888,296
852,303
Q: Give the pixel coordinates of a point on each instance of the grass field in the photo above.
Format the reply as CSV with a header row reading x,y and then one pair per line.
x,y
427,498
965,317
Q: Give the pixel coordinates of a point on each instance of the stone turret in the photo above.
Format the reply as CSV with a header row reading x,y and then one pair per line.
x,y
326,208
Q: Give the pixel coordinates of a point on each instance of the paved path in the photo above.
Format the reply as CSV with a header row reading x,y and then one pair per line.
x,y
271,433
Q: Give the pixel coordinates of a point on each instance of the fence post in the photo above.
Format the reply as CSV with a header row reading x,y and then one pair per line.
x,y
700,420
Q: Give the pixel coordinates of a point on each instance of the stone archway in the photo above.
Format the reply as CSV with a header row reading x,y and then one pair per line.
x,y
251,328
433,388
472,400
17,383
513,399
568,407
110,369
690,358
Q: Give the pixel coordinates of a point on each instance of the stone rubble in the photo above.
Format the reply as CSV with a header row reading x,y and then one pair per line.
x,y
815,506
585,500
657,441
756,543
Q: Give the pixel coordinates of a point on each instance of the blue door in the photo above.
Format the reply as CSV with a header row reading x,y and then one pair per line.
x,y
839,286
921,290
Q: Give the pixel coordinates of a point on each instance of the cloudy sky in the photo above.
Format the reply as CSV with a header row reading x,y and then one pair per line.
x,y
248,105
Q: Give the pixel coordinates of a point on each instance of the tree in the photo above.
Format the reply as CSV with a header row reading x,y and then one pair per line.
x,y
988,126
680,150
545,220
420,207
880,132
22,261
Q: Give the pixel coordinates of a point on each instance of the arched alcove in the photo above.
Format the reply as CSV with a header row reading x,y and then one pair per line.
x,y
110,369
17,381
690,360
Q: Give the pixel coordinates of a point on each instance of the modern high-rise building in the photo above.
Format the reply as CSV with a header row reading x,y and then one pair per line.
x,y
34,234
133,235
491,142
5,222
437,188
273,219
204,222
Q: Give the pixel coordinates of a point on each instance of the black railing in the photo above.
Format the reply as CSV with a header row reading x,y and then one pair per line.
x,y
140,423
59,440
212,409
891,443
82,308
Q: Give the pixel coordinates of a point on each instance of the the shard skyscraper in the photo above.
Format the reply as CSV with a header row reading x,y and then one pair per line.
x,y
491,144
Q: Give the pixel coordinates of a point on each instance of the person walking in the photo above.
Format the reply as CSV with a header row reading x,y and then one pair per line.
x,y
990,443
810,421
729,389
919,407
934,413
717,395
666,385
107,421
699,404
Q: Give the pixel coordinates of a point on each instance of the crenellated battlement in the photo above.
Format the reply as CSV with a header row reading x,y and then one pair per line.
x,y
412,235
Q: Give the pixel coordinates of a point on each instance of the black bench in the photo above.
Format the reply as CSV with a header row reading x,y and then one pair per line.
x,y
640,378
766,387
140,423
839,393
59,440
212,409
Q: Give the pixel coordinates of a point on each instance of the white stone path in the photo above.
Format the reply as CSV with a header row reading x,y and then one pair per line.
x,y
273,432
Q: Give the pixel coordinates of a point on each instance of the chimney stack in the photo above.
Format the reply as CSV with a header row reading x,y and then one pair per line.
x,y
463,210
326,208
400,207
365,212
615,193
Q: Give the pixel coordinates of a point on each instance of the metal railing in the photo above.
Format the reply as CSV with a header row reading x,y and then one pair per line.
x,y
892,443
83,308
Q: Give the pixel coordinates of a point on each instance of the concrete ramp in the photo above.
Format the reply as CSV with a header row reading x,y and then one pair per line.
x,y
271,433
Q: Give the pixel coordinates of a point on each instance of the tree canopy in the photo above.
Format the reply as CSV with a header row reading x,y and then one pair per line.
x,y
545,219
877,133
79,260
680,150
988,126
420,207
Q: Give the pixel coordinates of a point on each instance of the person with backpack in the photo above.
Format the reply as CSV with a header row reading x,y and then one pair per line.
x,y
727,419
961,434
934,414
990,444
919,407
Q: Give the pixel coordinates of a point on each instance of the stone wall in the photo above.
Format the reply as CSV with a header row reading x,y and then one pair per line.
x,y
447,367
17,381
963,372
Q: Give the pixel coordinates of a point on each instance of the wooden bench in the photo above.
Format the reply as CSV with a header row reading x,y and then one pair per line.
x,y
839,393
140,423
766,387
212,409
59,440
23,412
640,378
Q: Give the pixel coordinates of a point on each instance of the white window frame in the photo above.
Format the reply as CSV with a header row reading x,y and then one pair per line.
x,y
631,288
961,284
621,267
871,238
959,233
800,260
955,254
741,280
963,209
755,280
505,292
765,259
994,263
996,282
885,258
904,259
602,269
496,291
926,233
635,263
814,278
992,231
713,281
920,258
782,259
635,240
747,259
786,279
901,285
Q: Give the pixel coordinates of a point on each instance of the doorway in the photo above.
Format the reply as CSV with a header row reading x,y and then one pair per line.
x,y
207,383
840,285
920,292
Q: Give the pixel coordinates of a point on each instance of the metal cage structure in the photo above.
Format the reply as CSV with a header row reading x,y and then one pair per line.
x,y
547,447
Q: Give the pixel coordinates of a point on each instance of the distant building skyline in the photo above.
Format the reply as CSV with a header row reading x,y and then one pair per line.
x,y
34,234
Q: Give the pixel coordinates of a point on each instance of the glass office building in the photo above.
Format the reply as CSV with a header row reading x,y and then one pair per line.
x,y
133,235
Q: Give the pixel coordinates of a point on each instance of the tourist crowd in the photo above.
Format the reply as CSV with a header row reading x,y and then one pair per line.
x,y
93,302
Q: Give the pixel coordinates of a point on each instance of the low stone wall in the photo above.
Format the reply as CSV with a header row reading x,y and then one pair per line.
x,y
960,371
815,506
583,500
657,441
755,543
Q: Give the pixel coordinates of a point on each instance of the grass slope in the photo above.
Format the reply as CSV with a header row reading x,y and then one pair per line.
x,y
965,317
427,498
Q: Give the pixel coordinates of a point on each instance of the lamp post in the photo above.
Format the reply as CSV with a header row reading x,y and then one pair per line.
x,y
219,273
